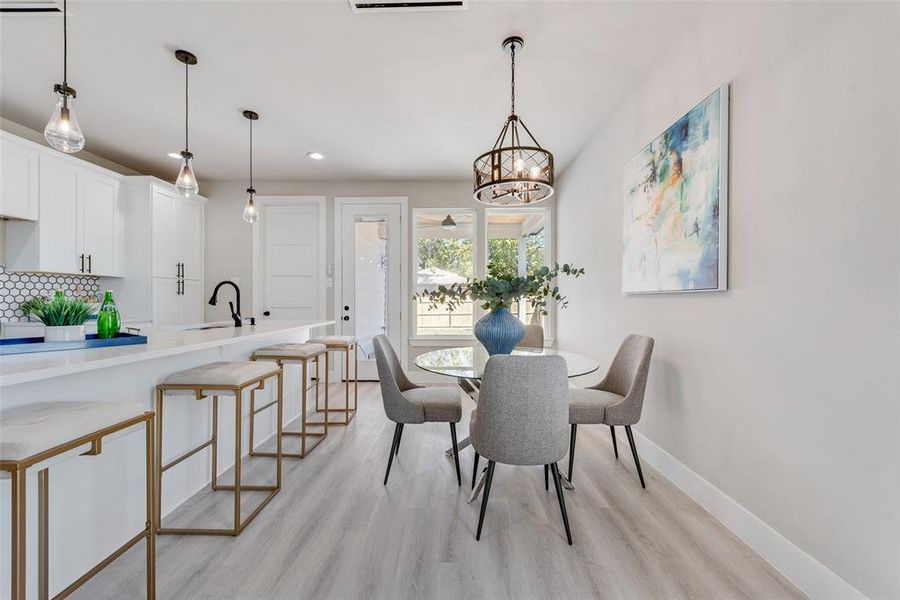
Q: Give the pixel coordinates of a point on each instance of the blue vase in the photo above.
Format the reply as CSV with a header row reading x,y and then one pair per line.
x,y
499,331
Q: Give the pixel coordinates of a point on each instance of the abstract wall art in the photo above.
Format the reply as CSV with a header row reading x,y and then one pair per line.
x,y
675,221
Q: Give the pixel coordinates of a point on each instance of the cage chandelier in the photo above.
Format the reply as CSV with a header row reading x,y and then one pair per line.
x,y
517,170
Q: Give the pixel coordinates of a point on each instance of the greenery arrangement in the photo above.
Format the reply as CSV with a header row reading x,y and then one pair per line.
x,y
502,287
58,312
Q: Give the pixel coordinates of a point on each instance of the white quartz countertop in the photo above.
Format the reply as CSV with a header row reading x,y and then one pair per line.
x,y
24,368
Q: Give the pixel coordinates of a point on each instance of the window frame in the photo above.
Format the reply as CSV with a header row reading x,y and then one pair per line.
x,y
549,253
415,338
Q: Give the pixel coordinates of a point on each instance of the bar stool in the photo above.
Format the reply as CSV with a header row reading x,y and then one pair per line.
x,y
301,354
48,433
222,379
341,343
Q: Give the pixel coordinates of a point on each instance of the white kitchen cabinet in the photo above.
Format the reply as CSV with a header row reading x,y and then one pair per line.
x,y
77,227
163,268
18,178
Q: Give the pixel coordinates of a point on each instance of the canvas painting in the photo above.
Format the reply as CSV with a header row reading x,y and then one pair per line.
x,y
675,219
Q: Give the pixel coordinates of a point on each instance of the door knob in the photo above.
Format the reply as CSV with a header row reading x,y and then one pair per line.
x,y
266,313
346,308
346,318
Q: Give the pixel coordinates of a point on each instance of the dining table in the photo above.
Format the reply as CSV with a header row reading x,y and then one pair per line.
x,y
466,365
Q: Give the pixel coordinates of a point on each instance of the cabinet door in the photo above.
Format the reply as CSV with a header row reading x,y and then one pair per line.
x,y
166,302
58,247
99,205
165,254
18,180
188,228
191,303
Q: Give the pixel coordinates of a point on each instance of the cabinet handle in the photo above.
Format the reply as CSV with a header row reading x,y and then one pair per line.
x,y
82,263
90,263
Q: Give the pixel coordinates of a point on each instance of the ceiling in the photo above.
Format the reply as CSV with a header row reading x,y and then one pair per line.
x,y
390,96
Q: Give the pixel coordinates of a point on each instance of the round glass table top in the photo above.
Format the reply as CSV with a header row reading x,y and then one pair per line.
x,y
468,361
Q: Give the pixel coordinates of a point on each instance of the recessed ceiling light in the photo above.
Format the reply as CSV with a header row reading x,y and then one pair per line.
x,y
315,155
174,155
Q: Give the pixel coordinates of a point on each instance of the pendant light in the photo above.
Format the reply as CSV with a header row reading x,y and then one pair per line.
x,y
186,183
250,213
62,130
517,170
448,223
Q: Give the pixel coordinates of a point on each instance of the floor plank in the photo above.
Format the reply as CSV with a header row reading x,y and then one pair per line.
x,y
334,531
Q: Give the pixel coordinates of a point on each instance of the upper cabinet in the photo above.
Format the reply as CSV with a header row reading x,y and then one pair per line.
x,y
177,234
77,221
18,179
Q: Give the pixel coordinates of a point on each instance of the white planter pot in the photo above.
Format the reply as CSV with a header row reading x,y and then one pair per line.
x,y
70,333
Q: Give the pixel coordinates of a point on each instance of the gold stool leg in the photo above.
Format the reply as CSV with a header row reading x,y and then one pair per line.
x,y
303,380
44,534
17,537
347,386
159,449
215,443
238,394
356,376
151,526
280,428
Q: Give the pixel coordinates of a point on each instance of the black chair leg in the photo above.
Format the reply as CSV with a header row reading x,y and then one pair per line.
x,y
484,498
637,461
562,501
475,470
612,432
399,437
455,452
572,450
546,477
394,445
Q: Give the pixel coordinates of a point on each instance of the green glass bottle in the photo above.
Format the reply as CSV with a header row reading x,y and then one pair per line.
x,y
108,321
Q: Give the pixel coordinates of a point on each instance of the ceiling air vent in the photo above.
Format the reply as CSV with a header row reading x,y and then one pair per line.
x,y
360,6
29,6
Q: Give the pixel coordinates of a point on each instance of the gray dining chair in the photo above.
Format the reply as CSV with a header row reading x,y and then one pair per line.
x,y
521,419
406,403
617,400
533,338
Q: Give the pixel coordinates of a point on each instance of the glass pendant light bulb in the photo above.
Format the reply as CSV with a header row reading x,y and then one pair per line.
x,y
250,213
186,183
62,130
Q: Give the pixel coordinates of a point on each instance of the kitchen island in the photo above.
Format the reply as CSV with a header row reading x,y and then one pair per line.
x,y
97,502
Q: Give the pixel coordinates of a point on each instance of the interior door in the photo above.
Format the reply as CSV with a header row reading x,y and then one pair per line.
x,y
290,261
370,293
98,223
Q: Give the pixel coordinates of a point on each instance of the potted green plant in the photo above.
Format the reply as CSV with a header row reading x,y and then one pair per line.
x,y
63,317
499,330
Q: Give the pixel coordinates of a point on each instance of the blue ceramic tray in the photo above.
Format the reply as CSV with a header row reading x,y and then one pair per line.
x,y
37,344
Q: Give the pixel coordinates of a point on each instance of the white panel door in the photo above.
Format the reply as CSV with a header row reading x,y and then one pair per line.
x,y
370,293
98,223
166,302
165,252
58,221
188,240
290,263
18,180
191,302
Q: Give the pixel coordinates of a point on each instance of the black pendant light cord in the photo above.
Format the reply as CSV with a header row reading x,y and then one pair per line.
x,y
251,154
512,93
186,107
65,44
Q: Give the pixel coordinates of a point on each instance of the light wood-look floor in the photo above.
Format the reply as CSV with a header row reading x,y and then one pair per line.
x,y
334,531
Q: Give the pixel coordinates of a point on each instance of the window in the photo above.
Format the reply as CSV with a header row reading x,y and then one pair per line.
x,y
444,254
518,240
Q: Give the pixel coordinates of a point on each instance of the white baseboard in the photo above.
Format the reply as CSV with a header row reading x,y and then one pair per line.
x,y
804,571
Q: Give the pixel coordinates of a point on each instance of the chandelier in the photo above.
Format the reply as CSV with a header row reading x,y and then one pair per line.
x,y
517,170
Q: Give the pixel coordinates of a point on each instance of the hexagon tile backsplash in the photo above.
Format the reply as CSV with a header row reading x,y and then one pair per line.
x,y
16,288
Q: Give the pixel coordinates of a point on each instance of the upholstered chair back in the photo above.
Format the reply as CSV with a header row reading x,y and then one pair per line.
x,y
533,338
393,383
523,411
627,376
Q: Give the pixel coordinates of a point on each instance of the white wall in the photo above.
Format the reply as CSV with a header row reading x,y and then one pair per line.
x,y
782,392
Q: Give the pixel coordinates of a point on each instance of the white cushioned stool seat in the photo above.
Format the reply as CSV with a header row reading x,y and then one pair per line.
x,y
334,340
35,428
224,373
290,350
